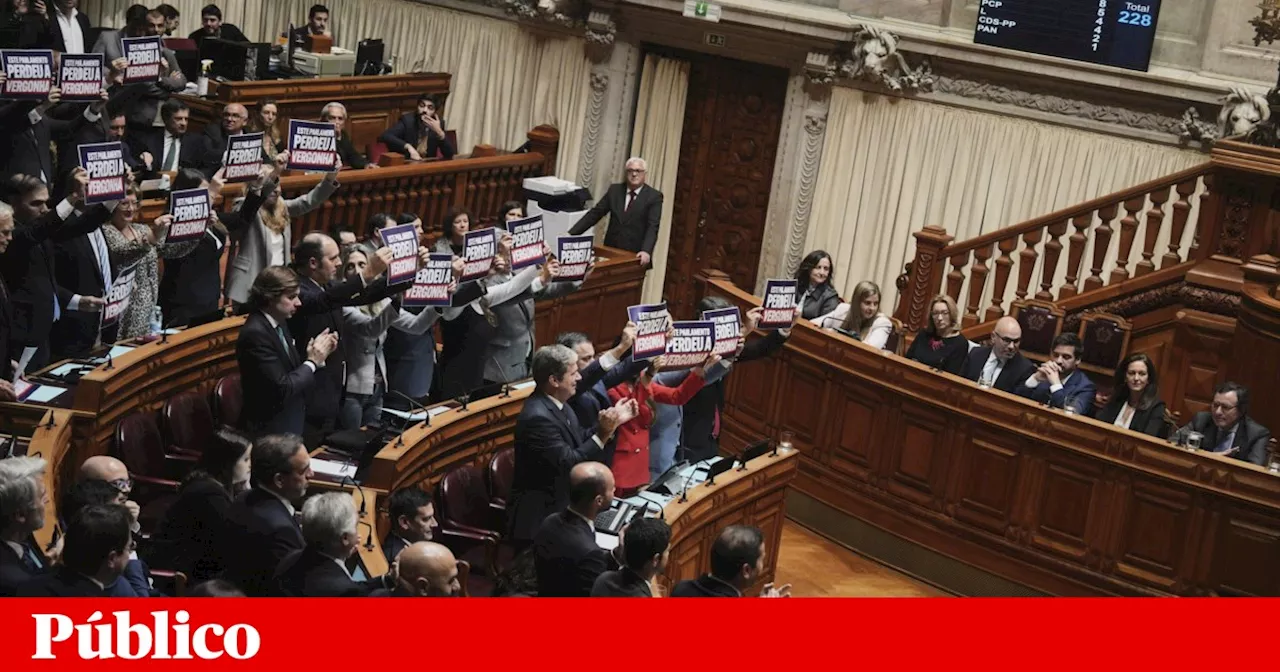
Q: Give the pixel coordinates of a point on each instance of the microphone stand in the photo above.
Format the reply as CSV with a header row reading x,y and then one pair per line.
x,y
347,479
684,492
368,541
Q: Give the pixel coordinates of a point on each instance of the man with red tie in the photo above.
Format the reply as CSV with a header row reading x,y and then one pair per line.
x,y
634,210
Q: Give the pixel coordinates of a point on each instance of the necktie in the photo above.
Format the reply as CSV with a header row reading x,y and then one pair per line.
x,y
284,340
991,370
715,424
170,153
1225,444
30,559
631,198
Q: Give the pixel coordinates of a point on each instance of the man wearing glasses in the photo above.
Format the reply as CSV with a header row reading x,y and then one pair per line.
x,y
112,471
234,118
634,210
1226,428
1000,365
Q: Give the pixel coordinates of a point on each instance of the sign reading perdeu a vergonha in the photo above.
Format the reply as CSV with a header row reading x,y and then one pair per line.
x,y
190,211
526,242
652,321
403,241
146,61
431,284
243,160
779,304
478,250
28,73
104,161
80,77
690,344
118,296
728,323
575,254
313,145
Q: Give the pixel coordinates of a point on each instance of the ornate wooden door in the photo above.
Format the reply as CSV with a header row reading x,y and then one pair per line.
x,y
733,117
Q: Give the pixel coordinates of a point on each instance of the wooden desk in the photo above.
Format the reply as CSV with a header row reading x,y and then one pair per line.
x,y
1062,504
52,441
374,103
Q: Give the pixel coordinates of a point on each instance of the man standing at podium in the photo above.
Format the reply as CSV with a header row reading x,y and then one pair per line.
x,y
634,210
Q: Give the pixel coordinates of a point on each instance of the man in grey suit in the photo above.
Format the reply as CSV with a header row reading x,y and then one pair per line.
x,y
511,346
634,209
145,98
1226,429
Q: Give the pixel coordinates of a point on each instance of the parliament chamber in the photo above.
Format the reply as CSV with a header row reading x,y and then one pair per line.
x,y
1069,196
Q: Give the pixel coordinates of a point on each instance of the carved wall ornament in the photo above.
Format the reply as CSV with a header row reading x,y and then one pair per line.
x,y
1235,223
1242,111
874,57
601,30
819,68
815,125
567,13
1203,299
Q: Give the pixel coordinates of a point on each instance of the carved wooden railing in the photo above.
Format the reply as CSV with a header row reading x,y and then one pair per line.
x,y
1104,230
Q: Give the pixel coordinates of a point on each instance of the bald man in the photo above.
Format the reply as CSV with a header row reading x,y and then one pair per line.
x,y
566,556
1000,365
427,569
234,119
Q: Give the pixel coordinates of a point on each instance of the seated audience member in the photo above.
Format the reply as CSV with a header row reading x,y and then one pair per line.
x,y
145,98
737,560
22,502
211,26
1226,429
114,472
344,236
267,238
813,278
141,246
644,551
566,555
27,262
427,569
861,318
631,454
320,570
941,345
317,24
8,367
266,120
191,285
133,581
1135,398
336,114
261,527
215,588
196,523
95,552
171,16
419,135
599,374
1059,382
1000,365
549,442
171,148
273,376
412,516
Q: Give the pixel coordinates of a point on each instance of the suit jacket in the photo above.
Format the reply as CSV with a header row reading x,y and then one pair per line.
x,y
549,441
191,149
351,157
391,547
78,271
192,528
64,582
191,285
701,412
466,333
411,363
1150,421
820,301
1012,376
1249,444
261,533
148,95
26,146
252,256
635,229
6,331
621,583
704,586
593,388
566,557
309,573
1077,389
273,378
13,571
28,267
55,39
511,342
409,130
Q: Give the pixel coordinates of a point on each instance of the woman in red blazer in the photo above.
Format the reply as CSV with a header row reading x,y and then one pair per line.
x,y
631,455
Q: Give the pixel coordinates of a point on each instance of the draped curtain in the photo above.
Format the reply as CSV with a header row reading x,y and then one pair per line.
x,y
506,80
664,86
891,166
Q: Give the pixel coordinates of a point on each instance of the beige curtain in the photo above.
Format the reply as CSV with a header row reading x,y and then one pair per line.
x,y
891,166
664,85
506,80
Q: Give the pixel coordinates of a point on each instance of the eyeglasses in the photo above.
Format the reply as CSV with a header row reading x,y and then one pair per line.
x,y
635,170
1006,339
123,485
1223,407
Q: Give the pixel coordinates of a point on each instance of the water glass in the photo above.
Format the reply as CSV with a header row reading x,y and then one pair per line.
x,y
785,438
1193,441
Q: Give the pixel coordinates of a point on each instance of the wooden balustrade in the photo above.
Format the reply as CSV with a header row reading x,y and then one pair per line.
x,y
1108,246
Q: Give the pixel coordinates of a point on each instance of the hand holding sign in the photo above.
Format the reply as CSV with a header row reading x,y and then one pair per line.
x,y
378,263
79,185
701,371
91,304
160,225
550,270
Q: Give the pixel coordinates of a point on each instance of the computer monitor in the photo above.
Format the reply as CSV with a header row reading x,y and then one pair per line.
x,y
755,450
369,56
237,61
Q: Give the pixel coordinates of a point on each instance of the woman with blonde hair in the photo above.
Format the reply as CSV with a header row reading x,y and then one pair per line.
x,y
860,318
940,344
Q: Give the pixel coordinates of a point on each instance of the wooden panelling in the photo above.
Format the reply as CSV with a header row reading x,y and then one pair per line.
x,y
1063,504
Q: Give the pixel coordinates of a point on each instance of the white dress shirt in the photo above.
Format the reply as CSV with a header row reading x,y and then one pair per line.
x,y
1125,417
991,370
275,326
72,37
103,256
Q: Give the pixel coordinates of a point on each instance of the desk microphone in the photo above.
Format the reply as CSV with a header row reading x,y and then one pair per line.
x,y
347,479
414,403
110,362
464,400
684,492
368,541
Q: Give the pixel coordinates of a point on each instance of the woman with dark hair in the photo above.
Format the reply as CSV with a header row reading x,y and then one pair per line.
x,y
940,345
1135,398
511,210
195,524
266,119
813,278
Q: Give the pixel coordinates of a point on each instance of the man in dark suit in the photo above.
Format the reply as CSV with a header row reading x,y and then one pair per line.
x,y
28,263
566,556
83,268
214,139
320,570
419,135
212,26
262,527
69,29
317,24
6,308
426,570
613,367
550,441
274,378
1227,429
737,560
635,211
336,114
412,516
27,130
95,552
644,552
1059,382
1000,365
701,421
22,501
171,147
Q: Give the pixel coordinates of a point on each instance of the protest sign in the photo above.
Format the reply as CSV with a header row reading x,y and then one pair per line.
x,y
243,159
28,73
117,299
728,323
313,145
690,345
651,322
431,283
190,210
80,77
478,250
146,62
575,254
526,243
104,162
779,304
403,241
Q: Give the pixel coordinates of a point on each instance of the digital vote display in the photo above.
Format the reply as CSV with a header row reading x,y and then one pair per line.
x,y
1119,33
